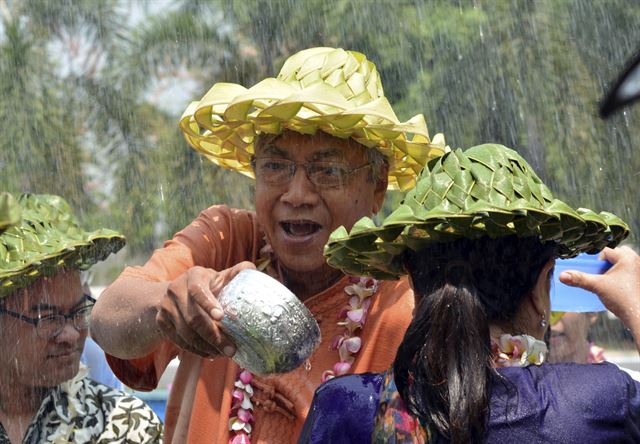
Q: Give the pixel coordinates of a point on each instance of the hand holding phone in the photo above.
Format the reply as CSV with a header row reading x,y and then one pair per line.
x,y
575,299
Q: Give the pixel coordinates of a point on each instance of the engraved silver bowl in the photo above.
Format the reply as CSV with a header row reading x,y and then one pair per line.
x,y
272,329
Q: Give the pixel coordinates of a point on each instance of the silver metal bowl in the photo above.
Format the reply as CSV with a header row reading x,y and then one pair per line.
x,y
272,329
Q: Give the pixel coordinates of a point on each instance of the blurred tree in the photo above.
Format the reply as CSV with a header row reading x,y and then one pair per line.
x,y
86,127
39,144
528,75
164,184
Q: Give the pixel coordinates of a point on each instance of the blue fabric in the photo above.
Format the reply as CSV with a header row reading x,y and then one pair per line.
x,y
93,357
552,403
343,410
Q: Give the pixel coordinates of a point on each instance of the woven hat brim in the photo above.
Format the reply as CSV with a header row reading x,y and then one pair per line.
x,y
223,125
10,211
434,211
21,268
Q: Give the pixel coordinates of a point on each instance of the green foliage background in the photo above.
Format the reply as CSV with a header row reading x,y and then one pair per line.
x,y
523,73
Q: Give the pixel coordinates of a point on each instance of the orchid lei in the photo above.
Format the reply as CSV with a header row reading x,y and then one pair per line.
x,y
352,317
241,416
518,351
596,354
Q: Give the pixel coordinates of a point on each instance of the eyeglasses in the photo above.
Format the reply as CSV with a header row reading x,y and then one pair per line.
x,y
278,171
48,327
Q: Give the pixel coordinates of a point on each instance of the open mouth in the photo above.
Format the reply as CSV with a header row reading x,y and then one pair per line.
x,y
300,227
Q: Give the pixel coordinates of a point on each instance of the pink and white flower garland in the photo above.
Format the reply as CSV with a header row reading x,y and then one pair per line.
x,y
518,351
241,420
352,317
596,354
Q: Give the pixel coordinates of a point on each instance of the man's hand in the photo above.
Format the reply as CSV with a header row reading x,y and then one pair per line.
x,y
189,312
618,288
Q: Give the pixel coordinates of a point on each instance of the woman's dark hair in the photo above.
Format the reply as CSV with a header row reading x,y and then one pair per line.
x,y
444,363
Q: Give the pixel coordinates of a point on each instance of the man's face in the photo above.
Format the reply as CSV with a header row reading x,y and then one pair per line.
x,y
28,359
298,216
568,341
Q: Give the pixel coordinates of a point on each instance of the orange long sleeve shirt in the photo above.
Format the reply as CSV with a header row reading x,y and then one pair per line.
x,y
200,400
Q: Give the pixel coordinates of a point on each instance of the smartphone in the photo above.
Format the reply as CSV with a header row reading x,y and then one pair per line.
x,y
566,298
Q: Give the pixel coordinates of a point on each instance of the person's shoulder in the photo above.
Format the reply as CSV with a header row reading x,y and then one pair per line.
x,y
396,293
222,217
332,417
109,395
585,383
635,375
399,285
393,304
563,402
348,390
349,385
570,372
122,412
598,371
224,210
607,377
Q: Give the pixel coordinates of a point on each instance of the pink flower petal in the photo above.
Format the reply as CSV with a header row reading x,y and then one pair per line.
x,y
341,368
336,342
245,415
353,344
355,315
326,375
343,313
354,302
240,438
246,377
238,394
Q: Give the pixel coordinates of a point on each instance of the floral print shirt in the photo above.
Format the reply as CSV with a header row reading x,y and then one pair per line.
x,y
393,423
84,411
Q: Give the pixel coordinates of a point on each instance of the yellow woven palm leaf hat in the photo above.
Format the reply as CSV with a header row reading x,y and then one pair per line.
x,y
332,90
45,239
487,190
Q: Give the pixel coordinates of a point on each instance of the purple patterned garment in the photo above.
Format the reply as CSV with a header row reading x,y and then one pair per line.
x,y
552,403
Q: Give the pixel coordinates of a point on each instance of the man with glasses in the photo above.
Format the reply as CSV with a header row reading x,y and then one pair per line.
x,y
323,144
49,326
45,395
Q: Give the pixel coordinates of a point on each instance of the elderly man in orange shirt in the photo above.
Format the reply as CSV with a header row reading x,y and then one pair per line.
x,y
324,145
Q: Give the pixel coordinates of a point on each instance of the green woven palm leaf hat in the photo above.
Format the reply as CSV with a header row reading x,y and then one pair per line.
x,y
487,190
332,90
10,211
46,239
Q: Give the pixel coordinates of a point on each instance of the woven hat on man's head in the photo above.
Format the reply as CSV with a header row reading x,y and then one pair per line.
x,y
328,89
47,239
487,190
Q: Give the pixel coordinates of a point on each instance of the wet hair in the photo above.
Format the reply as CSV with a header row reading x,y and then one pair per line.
x,y
372,156
443,368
